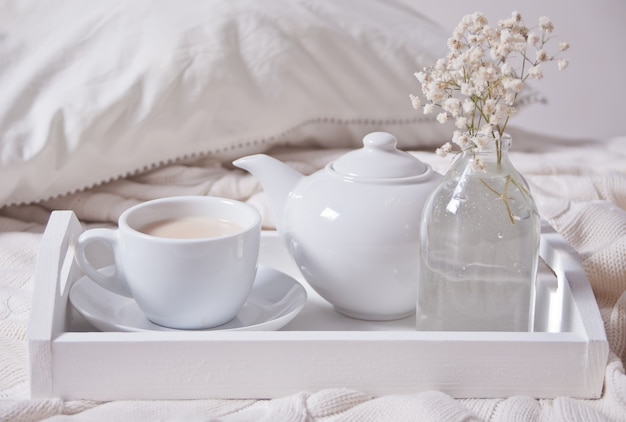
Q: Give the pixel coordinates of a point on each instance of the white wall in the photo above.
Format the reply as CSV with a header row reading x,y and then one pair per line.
x,y
588,99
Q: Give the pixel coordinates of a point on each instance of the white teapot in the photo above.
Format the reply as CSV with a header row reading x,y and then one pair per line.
x,y
353,226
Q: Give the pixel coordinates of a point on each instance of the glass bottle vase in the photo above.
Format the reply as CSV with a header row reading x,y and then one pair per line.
x,y
479,246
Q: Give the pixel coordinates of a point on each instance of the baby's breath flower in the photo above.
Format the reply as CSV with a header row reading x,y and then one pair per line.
x,y
453,106
542,56
444,150
487,130
455,44
436,91
505,36
510,97
496,119
466,89
479,164
469,107
533,39
513,84
546,24
535,72
460,138
415,101
506,69
489,108
478,82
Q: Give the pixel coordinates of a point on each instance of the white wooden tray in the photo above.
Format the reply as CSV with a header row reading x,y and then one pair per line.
x,y
565,356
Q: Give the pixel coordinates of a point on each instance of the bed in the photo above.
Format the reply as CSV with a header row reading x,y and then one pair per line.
x,y
107,104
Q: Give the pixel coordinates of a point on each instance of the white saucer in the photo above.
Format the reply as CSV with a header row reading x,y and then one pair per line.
x,y
274,301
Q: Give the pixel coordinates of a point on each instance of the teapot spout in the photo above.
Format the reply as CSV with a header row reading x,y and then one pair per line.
x,y
277,179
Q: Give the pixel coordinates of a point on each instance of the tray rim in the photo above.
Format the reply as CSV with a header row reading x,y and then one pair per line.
x,y
49,342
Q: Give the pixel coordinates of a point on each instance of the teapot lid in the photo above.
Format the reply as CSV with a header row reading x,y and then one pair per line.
x,y
380,159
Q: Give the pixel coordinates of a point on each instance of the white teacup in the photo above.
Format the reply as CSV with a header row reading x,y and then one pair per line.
x,y
200,278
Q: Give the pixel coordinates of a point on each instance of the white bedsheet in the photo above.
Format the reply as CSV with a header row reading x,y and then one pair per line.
x,y
580,188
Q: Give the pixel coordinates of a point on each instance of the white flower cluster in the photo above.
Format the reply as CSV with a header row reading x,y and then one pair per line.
x,y
479,80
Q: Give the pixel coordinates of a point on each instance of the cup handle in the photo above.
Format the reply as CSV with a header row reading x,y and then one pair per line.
x,y
111,280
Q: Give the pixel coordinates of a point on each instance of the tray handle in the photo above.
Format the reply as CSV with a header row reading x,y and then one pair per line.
x,y
54,270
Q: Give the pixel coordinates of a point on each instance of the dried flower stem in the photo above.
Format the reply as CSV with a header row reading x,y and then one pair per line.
x,y
503,196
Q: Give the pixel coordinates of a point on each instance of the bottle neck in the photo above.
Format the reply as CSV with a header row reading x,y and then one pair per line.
x,y
488,148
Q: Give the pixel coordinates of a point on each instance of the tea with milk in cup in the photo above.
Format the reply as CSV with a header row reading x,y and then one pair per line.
x,y
191,228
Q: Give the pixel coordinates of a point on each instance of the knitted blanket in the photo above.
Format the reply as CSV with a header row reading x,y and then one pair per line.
x,y
580,189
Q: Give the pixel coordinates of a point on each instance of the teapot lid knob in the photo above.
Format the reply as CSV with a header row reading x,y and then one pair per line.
x,y
379,158
380,140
